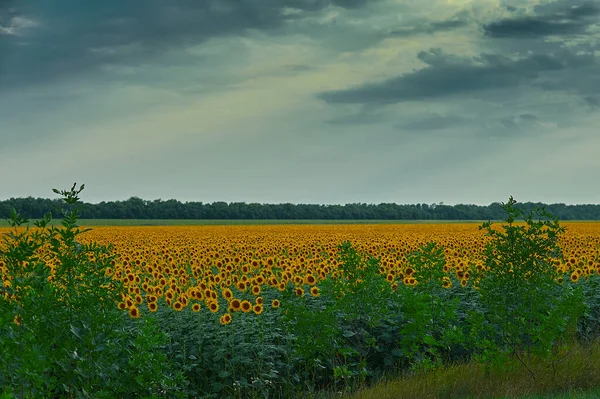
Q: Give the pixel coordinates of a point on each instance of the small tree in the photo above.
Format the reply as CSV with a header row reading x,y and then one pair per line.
x,y
526,305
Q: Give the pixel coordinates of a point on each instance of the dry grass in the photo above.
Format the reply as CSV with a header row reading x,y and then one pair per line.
x,y
575,373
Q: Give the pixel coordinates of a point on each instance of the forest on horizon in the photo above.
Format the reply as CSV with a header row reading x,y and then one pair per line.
x,y
137,208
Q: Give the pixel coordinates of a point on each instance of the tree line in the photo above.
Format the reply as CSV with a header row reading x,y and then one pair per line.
x,y
137,208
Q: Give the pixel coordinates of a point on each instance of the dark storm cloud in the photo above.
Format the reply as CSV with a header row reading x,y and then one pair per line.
x,y
458,21
74,36
447,75
435,122
566,17
592,102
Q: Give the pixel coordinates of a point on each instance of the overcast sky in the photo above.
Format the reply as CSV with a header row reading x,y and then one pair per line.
x,y
302,101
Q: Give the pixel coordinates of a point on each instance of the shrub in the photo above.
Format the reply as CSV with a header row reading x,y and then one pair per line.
x,y
528,303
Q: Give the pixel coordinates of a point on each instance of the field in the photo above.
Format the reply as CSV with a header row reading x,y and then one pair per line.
x,y
195,255
280,310
235,222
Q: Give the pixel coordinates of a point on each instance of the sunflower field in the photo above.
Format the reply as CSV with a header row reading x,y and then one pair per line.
x,y
282,310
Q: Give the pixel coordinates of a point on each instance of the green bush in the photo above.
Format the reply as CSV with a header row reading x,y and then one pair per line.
x,y
61,334
527,306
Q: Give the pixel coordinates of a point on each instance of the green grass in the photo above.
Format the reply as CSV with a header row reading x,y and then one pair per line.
x,y
575,374
211,222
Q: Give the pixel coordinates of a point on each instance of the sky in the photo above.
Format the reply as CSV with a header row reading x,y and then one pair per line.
x,y
302,101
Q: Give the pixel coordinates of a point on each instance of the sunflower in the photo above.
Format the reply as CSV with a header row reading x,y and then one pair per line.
x,y
178,306
299,291
390,278
17,320
225,319
258,309
446,282
227,294
314,291
575,277
196,307
275,304
464,282
122,306
256,290
236,304
134,312
246,306
241,286
309,279
259,300
152,306
213,306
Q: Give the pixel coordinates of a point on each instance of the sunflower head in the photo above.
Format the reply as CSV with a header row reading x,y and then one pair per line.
x,y
314,291
225,319
246,306
236,304
134,312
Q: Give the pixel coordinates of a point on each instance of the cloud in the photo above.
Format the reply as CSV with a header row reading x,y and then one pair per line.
x,y
592,102
449,75
73,37
517,121
459,20
566,17
436,122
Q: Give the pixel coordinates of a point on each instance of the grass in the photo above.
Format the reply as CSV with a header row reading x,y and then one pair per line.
x,y
574,374
212,222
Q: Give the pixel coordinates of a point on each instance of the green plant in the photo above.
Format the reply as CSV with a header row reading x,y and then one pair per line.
x,y
433,326
525,306
61,334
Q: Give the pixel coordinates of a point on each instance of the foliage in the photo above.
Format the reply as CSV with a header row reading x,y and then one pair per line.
x,y
137,208
60,332
528,303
